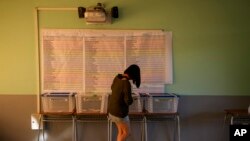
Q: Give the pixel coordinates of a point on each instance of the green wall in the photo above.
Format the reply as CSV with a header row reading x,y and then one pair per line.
x,y
211,40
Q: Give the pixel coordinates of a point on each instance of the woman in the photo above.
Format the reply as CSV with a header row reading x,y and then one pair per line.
x,y
121,98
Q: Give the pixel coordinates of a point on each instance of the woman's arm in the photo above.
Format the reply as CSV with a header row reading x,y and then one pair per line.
x,y
127,93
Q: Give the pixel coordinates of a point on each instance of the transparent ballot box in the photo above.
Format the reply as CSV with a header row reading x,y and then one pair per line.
x,y
58,102
136,106
91,103
161,103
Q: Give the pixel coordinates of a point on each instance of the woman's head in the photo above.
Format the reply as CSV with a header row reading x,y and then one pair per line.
x,y
133,71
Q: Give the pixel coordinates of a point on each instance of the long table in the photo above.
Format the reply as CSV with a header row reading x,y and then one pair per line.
x,y
144,118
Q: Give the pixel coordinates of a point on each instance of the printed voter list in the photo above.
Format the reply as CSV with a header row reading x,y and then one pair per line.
x,y
239,132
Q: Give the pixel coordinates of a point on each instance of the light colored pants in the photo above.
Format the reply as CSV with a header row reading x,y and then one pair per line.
x,y
118,119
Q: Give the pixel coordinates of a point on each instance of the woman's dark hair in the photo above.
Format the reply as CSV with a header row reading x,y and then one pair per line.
x,y
133,72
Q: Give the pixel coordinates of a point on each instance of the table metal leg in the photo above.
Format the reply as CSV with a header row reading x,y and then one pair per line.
x,y
74,129
178,128
142,130
145,128
232,120
39,125
42,128
109,130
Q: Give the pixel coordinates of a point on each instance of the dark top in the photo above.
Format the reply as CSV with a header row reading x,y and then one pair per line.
x,y
121,97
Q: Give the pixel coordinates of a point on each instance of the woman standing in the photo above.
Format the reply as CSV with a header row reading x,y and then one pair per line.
x,y
121,98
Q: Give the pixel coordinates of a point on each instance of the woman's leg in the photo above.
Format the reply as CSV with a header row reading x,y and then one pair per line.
x,y
123,130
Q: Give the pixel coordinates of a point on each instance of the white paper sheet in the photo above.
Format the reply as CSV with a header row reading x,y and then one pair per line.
x,y
88,60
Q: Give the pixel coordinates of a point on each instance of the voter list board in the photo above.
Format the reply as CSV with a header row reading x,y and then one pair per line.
x,y
87,60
